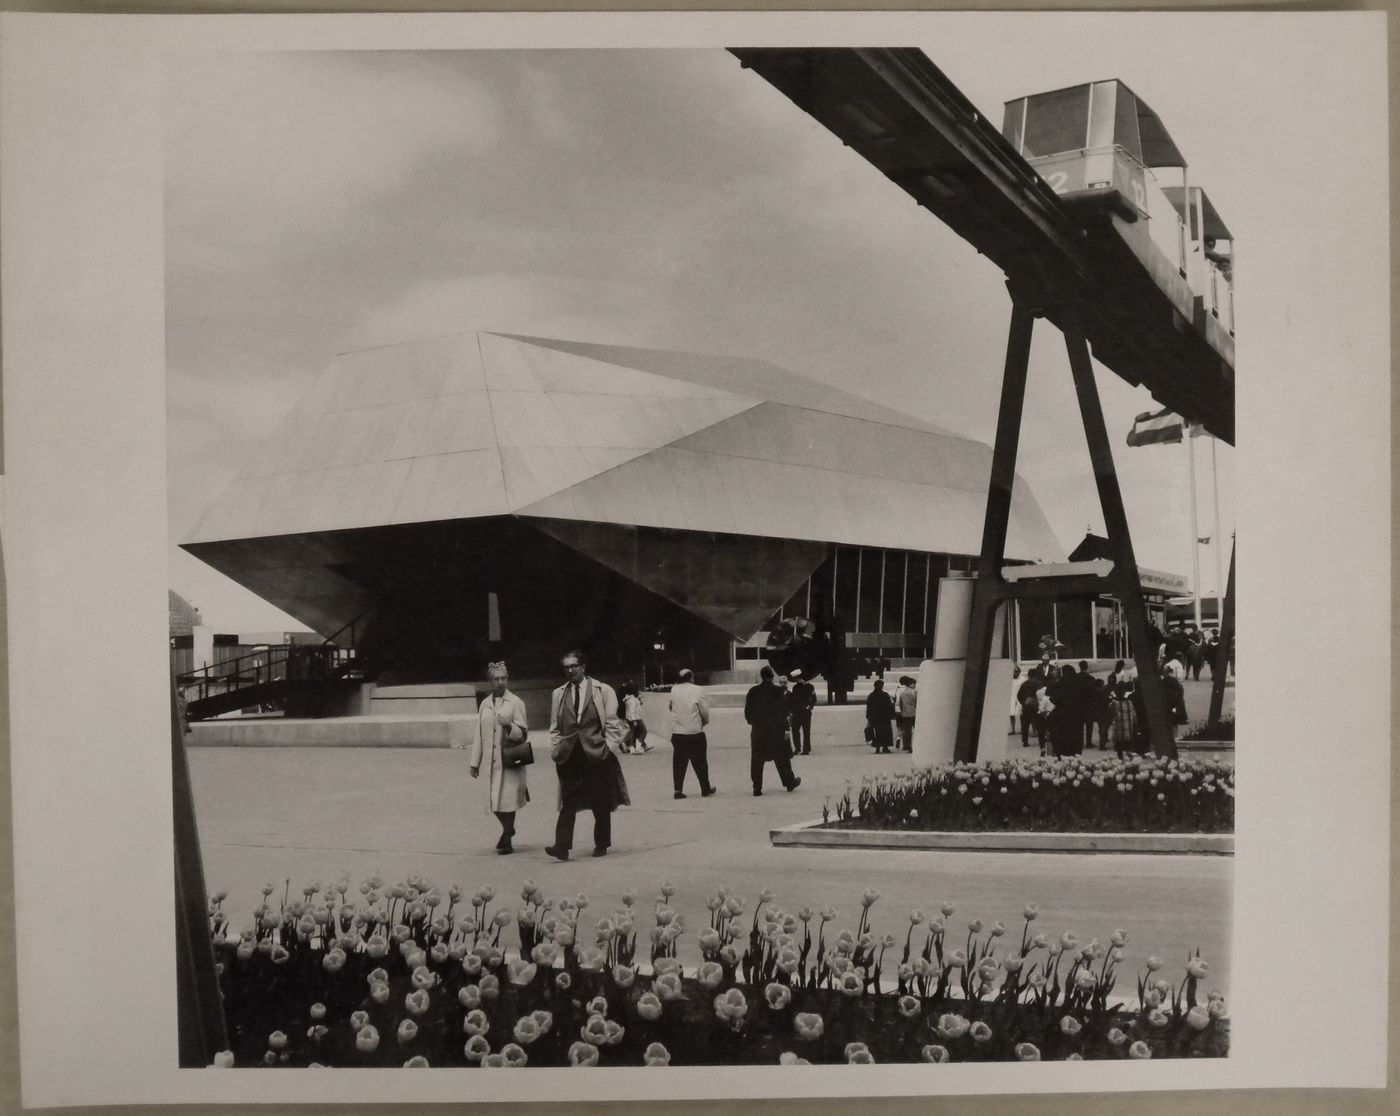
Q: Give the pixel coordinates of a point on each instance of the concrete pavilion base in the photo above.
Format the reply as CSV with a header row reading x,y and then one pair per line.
x,y
422,730
1212,746
812,835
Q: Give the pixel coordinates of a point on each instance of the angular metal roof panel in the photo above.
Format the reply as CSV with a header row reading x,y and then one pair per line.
x,y
686,490
754,379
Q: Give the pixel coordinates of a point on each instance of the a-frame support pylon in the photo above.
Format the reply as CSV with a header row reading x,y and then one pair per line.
x,y
991,589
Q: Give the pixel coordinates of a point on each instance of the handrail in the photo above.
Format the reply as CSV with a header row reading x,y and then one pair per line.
x,y
230,667
235,674
349,624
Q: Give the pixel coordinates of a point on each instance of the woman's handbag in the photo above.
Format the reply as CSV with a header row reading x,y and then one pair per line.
x,y
517,753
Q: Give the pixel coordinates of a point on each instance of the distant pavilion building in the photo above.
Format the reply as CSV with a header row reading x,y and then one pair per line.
x,y
443,502
1094,627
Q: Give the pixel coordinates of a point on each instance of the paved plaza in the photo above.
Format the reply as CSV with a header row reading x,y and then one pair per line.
x,y
266,814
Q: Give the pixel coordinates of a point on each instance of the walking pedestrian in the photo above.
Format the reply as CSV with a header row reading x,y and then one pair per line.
x,y
1196,654
1067,718
782,681
1028,695
765,710
1125,713
636,739
1103,708
1016,682
879,715
905,708
801,701
1213,653
1175,694
690,713
584,729
1088,703
501,720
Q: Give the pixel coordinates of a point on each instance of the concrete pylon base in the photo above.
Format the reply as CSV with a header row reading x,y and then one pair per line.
x,y
940,690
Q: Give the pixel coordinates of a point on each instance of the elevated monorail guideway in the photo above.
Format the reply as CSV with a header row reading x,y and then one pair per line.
x,y
1109,247
1065,199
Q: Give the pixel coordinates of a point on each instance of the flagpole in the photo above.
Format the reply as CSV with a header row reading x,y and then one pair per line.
x,y
1195,534
1219,539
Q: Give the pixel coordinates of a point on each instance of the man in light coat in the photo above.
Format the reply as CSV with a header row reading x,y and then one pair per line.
x,y
690,713
585,733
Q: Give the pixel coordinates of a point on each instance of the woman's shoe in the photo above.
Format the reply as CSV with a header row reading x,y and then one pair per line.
x,y
504,850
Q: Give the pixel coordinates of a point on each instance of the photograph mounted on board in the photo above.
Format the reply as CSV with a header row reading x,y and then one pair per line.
x,y
717,444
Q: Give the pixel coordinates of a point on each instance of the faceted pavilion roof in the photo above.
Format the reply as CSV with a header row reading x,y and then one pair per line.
x,y
483,424
184,617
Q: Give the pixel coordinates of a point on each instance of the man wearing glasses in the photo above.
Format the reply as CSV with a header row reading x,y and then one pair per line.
x,y
584,733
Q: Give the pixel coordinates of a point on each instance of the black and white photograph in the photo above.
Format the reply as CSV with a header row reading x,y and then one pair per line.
x,y
720,551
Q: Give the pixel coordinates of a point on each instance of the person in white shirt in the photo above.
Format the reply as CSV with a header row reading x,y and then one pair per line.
x,y
905,707
690,713
636,739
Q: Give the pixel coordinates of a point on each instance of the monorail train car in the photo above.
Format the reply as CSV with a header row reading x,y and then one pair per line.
x,y
1107,155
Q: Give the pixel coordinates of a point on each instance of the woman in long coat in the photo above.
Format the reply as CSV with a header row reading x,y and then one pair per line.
x,y
502,718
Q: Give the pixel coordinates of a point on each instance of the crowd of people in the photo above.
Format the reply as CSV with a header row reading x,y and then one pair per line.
x,y
1067,707
1192,649
589,729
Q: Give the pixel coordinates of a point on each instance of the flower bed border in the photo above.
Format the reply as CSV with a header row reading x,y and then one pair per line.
x,y
812,834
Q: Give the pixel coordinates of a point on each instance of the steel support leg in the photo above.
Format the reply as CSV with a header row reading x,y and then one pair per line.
x,y
1125,570
199,1004
989,589
1220,668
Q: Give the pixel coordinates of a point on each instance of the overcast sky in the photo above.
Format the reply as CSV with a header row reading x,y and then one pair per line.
x,y
321,202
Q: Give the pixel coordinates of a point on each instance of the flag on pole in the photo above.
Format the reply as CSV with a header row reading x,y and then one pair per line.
x,y
1153,428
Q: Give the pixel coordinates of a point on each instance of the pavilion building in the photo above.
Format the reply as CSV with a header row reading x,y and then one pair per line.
x,y
444,502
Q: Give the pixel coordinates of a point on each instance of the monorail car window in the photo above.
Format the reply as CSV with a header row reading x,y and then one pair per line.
x,y
1056,122
1125,124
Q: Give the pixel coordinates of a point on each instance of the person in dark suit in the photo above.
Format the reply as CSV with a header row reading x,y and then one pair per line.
x,y
801,700
879,715
1029,698
766,711
1089,687
585,733
1067,718
1196,654
1175,694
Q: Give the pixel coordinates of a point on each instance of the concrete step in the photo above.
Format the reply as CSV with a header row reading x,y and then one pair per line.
x,y
370,731
422,690
404,707
423,699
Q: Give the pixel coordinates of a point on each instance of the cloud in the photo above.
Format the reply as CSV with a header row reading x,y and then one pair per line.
x,y
296,140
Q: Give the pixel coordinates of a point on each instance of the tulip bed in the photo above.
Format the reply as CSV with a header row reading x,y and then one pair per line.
x,y
1051,794
408,976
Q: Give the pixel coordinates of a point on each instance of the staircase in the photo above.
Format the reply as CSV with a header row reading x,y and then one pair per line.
x,y
290,676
